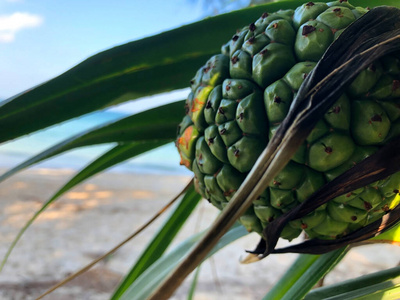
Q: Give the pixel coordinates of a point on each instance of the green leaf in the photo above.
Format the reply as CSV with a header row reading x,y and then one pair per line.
x,y
193,286
156,64
391,236
114,156
305,272
294,273
379,285
111,158
152,65
157,124
153,276
161,240
373,3
383,291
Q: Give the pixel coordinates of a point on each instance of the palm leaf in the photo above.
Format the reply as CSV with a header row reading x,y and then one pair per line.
x,y
307,271
112,157
391,236
161,240
157,124
122,73
150,279
130,71
291,276
183,205
379,285
193,286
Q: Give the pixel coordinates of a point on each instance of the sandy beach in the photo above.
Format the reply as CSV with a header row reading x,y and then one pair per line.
x,y
99,213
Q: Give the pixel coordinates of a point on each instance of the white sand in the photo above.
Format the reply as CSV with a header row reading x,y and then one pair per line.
x,y
98,214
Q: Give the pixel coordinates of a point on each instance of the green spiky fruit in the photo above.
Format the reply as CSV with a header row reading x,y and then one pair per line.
x,y
240,97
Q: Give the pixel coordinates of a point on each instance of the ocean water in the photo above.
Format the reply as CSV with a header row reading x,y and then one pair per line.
x,y
15,152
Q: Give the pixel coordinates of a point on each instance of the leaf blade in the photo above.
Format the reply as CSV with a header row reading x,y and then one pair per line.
x,y
304,273
161,240
294,273
391,236
112,157
157,124
152,277
313,274
193,285
366,285
129,71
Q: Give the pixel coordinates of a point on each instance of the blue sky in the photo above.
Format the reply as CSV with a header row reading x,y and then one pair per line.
x,y
40,39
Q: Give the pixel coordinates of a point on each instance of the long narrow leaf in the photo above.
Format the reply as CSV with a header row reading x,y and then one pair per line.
x,y
388,290
371,286
48,104
111,158
160,63
294,273
373,3
161,240
114,156
157,124
391,236
119,245
156,64
311,276
151,278
193,286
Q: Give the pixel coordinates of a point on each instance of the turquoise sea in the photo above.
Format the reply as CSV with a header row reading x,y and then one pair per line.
x,y
164,160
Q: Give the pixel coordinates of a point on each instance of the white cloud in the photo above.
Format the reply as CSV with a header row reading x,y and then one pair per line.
x,y
11,24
